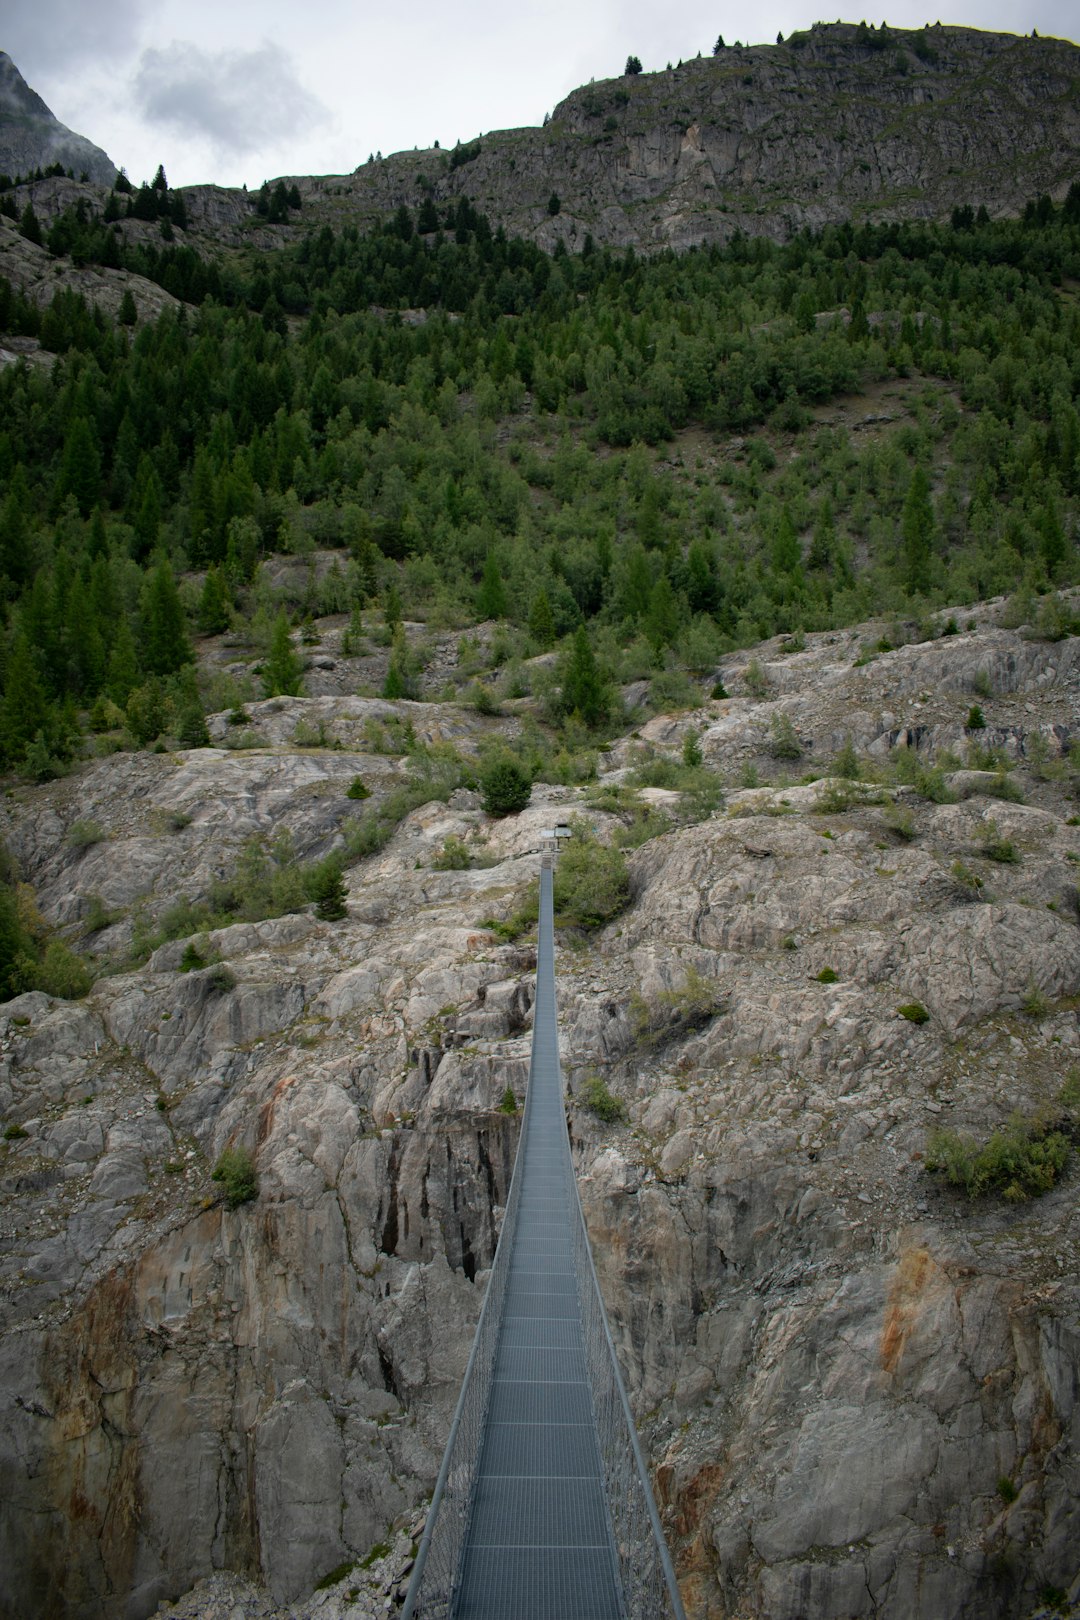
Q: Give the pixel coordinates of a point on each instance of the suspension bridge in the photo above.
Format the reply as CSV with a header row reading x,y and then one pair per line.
x,y
543,1509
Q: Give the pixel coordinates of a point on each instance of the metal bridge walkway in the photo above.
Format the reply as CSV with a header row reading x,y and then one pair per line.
x,y
543,1509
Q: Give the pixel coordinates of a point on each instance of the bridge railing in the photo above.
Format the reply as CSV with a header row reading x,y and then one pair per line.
x,y
649,1588
438,1558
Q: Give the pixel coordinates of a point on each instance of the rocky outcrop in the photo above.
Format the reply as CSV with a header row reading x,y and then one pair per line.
x,y
856,1389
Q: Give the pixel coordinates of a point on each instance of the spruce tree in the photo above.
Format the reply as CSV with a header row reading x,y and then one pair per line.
x,y
491,597
165,644
283,670
584,692
917,530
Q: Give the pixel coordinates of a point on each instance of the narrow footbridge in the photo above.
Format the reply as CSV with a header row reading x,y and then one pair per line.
x,y
543,1510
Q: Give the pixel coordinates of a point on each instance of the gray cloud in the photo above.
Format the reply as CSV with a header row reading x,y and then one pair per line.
x,y
238,100
43,35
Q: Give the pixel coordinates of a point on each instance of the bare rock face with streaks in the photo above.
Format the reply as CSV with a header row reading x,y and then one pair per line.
x,y
856,1389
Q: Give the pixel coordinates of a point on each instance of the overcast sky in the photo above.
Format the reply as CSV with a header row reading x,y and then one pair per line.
x,y
234,91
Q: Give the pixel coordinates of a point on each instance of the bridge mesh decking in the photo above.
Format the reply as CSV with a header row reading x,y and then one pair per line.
x,y
543,1510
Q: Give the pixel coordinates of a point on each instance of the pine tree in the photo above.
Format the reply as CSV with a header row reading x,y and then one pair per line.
x,y
214,602
662,619
491,597
584,692
80,468
283,670
328,890
165,645
24,710
541,619
123,670
917,531
786,552
191,729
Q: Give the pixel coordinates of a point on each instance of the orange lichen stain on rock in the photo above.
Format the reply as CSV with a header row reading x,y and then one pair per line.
x,y
903,1305
266,1113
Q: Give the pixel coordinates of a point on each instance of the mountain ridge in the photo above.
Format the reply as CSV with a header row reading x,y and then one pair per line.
x,y
32,137
838,122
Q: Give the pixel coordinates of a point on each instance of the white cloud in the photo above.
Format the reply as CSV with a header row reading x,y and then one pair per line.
x,y
239,101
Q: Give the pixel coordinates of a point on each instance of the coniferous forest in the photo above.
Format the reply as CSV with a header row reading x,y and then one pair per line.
x,y
634,459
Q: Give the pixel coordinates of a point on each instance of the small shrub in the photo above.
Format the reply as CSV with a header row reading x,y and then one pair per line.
x,y
358,789
846,763
508,1102
61,973
235,1170
595,1096
755,680
783,740
828,975
453,857
1006,1489
901,823
191,960
976,720
996,848
221,977
1020,1160
981,684
15,1133
691,751
85,834
719,690
914,1012
1034,1003
968,882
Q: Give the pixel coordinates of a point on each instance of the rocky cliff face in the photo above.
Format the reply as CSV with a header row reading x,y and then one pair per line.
x,y
858,1391
32,138
839,122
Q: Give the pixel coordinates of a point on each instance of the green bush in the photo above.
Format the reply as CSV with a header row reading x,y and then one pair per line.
x,y
508,1102
326,886
595,1096
1021,1160
505,786
191,960
914,1012
235,1170
783,738
85,834
453,857
61,973
358,789
828,975
997,848
591,883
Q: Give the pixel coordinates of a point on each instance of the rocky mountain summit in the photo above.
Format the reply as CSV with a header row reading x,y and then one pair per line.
x,y
31,137
856,1387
